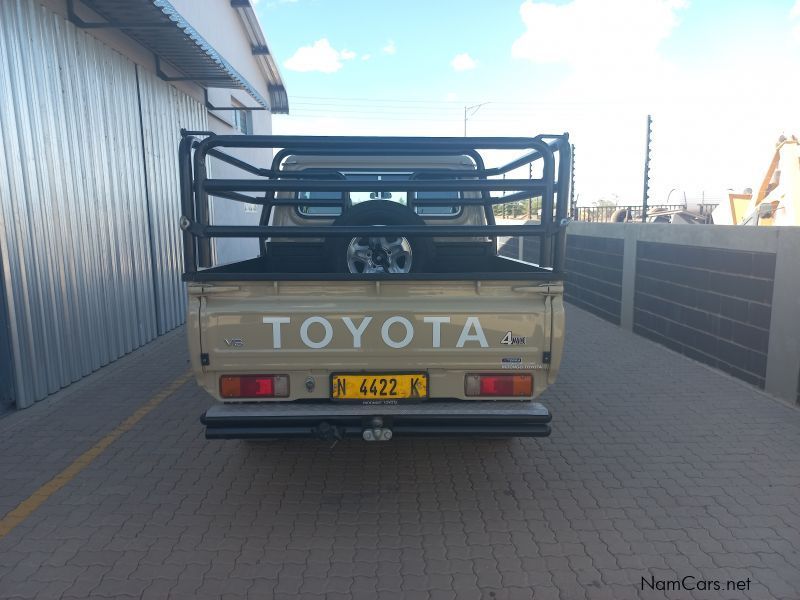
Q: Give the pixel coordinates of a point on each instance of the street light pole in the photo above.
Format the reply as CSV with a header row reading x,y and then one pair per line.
x,y
470,111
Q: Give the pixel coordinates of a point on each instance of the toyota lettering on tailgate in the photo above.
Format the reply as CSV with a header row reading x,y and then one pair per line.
x,y
395,332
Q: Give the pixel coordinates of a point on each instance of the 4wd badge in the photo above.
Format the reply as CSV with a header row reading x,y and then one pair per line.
x,y
513,340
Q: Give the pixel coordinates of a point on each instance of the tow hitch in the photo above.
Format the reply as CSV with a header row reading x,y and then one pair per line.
x,y
377,432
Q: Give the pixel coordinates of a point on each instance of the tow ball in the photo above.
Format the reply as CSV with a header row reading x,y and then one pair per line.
x,y
377,432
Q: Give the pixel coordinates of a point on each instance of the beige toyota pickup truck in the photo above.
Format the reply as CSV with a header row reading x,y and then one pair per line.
x,y
379,305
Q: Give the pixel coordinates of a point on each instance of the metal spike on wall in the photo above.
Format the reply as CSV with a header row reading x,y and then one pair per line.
x,y
648,148
572,203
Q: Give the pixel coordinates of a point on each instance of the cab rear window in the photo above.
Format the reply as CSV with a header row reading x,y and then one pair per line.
x,y
401,197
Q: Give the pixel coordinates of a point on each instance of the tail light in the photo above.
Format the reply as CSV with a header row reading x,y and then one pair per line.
x,y
499,384
254,386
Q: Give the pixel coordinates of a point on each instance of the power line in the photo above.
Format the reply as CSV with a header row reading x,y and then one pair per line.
x,y
431,106
353,108
433,111
362,99
454,103
374,117
389,117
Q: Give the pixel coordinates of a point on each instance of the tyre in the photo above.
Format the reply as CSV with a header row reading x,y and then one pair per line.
x,y
376,254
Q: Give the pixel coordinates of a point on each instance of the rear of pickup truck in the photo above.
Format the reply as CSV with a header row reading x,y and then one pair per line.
x,y
378,305
376,359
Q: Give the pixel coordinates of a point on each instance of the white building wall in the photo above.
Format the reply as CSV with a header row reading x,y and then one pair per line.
x,y
229,212
224,30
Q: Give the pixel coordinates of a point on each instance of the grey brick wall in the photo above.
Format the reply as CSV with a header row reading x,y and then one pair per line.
x,y
710,304
594,271
594,275
509,246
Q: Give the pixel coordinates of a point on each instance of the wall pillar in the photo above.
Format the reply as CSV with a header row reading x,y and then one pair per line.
x,y
783,356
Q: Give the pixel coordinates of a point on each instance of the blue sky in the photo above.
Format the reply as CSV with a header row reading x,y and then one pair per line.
x,y
718,76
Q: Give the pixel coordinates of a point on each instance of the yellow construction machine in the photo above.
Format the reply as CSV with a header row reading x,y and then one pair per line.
x,y
777,199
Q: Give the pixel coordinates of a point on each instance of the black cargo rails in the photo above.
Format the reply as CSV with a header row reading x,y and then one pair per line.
x,y
487,187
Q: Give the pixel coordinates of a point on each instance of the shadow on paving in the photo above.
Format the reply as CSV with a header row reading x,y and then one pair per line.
x,y
6,408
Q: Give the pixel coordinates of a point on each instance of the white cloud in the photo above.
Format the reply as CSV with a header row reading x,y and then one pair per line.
x,y
585,33
390,47
463,62
366,56
794,14
320,56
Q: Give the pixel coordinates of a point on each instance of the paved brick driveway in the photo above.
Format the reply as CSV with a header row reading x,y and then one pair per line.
x,y
656,467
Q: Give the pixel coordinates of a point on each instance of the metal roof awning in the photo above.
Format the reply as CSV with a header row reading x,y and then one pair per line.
x,y
160,28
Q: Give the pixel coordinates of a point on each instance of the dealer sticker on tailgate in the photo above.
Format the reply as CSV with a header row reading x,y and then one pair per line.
x,y
379,387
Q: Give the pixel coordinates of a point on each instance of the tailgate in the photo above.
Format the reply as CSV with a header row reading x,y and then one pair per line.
x,y
325,327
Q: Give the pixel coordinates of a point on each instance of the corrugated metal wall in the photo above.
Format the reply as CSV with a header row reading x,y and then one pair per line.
x,y
78,270
6,357
164,111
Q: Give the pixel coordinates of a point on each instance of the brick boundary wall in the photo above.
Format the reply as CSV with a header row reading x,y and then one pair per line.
x,y
594,271
594,275
509,246
727,296
711,304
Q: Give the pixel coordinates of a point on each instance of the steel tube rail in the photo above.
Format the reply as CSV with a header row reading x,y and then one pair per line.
x,y
204,258
270,182
187,201
245,231
339,185
562,206
236,196
492,201
448,144
244,166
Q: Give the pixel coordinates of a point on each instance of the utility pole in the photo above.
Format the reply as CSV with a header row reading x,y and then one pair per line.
x,y
470,111
646,191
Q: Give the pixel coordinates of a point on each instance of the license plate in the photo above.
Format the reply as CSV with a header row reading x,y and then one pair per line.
x,y
381,387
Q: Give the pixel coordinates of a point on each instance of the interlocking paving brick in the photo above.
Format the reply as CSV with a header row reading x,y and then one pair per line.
x,y
657,466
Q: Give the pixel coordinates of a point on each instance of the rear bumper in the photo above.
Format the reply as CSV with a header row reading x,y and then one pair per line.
x,y
327,420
